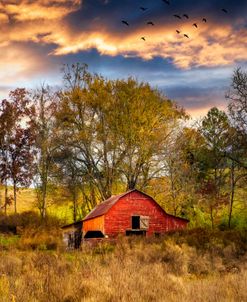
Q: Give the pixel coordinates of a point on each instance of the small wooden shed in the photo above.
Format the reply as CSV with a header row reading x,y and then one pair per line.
x,y
72,235
130,213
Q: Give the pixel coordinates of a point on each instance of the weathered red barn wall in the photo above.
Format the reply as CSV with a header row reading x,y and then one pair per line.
x,y
118,218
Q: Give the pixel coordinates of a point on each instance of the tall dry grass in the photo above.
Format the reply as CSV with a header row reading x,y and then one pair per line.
x,y
177,267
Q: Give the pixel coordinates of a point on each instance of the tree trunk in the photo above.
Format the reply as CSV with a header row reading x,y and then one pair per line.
x,y
231,194
1,199
15,198
131,184
44,177
43,205
74,205
212,217
6,199
173,193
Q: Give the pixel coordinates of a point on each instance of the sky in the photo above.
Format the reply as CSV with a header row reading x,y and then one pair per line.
x,y
39,36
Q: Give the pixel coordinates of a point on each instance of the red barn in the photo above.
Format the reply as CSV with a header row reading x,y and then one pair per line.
x,y
133,212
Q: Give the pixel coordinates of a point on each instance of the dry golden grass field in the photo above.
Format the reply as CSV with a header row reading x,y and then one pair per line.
x,y
193,266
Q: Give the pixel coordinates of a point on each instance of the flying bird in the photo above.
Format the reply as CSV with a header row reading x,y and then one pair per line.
x,y
167,2
195,25
143,8
204,20
186,16
186,36
125,22
150,23
177,16
178,32
143,38
224,10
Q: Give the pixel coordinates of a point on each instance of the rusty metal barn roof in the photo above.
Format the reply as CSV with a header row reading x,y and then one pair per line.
x,y
105,206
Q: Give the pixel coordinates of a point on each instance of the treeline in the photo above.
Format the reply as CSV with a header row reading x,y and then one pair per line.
x,y
97,137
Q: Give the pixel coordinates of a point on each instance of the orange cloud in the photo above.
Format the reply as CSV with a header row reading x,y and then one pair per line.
x,y
32,20
26,10
210,45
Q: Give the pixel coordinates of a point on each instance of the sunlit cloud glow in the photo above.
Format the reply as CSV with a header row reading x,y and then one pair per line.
x,y
65,28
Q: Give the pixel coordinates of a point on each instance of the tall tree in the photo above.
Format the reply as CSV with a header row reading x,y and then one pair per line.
x,y
115,129
17,140
70,176
237,97
237,152
5,128
237,107
45,143
182,157
215,129
144,122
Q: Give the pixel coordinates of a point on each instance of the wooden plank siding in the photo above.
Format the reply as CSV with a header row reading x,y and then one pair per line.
x,y
94,224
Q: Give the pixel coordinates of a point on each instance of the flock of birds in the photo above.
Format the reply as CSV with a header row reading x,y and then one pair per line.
x,y
186,16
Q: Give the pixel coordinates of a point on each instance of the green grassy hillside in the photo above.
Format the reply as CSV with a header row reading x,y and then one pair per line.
x,y
60,206
26,201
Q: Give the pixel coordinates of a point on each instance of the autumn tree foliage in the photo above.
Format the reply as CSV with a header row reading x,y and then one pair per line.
x,y
16,141
116,130
95,137
181,160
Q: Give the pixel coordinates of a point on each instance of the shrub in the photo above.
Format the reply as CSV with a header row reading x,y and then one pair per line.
x,y
41,238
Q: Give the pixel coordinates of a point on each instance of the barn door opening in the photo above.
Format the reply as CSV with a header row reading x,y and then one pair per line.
x,y
135,225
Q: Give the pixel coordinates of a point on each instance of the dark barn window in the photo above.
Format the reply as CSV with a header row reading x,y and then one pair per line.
x,y
94,234
135,222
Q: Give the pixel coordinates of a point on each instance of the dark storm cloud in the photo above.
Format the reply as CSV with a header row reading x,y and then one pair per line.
x,y
111,13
